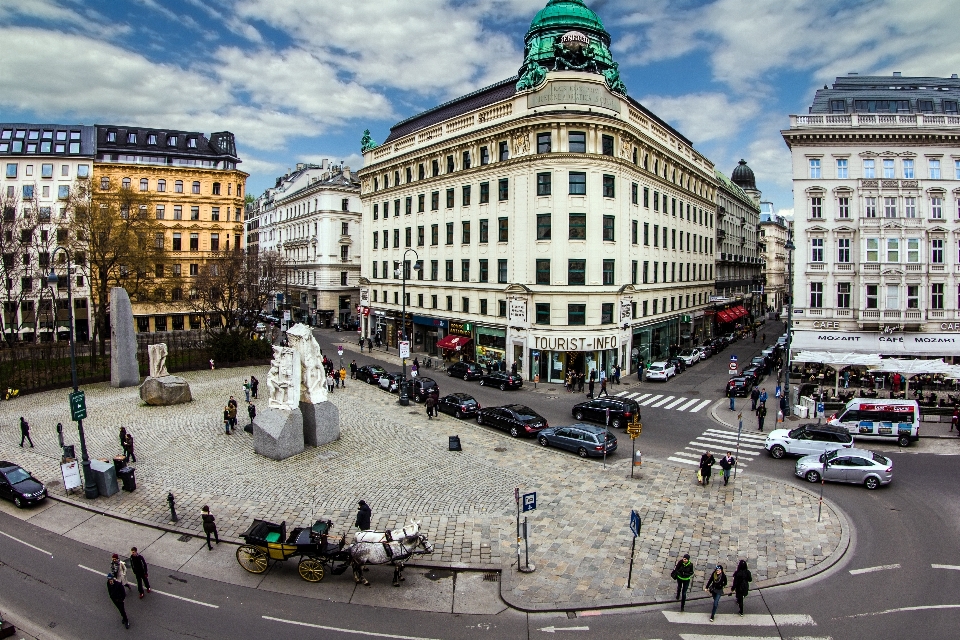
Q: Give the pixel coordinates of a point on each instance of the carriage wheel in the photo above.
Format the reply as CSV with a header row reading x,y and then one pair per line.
x,y
253,559
311,570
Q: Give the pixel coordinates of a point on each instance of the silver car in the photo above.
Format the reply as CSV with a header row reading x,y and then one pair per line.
x,y
854,466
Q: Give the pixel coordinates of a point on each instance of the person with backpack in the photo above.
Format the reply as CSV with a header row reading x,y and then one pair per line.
x,y
683,574
715,586
741,584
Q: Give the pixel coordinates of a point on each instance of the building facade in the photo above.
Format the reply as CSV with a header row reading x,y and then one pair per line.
x,y
737,255
198,199
876,166
774,231
559,225
41,166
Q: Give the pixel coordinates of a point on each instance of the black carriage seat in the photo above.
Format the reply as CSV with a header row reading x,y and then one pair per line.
x,y
300,535
267,531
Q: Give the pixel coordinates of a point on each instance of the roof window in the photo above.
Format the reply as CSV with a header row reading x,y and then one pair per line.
x,y
111,136
151,138
925,106
172,141
191,143
131,138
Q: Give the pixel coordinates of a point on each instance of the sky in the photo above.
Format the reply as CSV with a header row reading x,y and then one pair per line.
x,y
299,80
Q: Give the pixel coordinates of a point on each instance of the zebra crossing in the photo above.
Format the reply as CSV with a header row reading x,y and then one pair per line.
x,y
720,441
663,401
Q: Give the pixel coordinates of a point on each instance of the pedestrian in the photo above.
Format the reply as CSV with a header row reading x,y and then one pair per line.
x,y
251,411
683,574
209,526
118,594
25,432
128,449
754,397
616,374
369,344
123,436
732,399
568,382
329,383
727,463
706,467
640,371
232,413
361,344
715,586
603,375
212,367
955,420
763,338
846,379
343,377
254,385
590,395
783,404
363,516
246,390
741,584
430,406
226,419
139,567
119,570
353,370
763,396
761,415
60,433
603,386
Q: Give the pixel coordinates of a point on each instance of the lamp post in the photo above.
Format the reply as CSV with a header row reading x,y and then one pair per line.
x,y
789,246
89,484
403,393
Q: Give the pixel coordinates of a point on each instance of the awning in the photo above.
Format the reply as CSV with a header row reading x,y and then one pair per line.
x,y
738,312
724,316
453,342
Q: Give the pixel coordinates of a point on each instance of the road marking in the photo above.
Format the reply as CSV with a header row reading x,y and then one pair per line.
x,y
747,436
653,399
618,395
733,620
689,404
690,455
163,593
26,544
664,401
700,406
742,457
555,629
952,567
354,631
726,443
640,396
699,636
744,440
695,463
884,567
674,403
902,609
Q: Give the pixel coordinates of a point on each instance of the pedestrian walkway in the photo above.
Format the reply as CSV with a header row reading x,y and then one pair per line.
x,y
720,440
663,401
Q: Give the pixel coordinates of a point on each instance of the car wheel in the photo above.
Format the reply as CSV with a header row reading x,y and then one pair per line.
x,y
777,451
479,419
458,414
514,432
543,441
582,452
503,387
616,423
871,483
812,476
578,415
481,382
17,501
903,441
466,377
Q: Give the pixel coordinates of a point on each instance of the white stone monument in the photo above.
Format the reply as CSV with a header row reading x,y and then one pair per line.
x,y
161,388
321,418
278,429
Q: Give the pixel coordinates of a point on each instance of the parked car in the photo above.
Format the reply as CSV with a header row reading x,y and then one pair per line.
x,y
516,419
855,466
661,371
390,381
717,345
586,439
421,386
807,439
706,351
622,411
370,373
761,363
18,486
678,364
465,370
690,357
739,386
459,405
501,379
753,373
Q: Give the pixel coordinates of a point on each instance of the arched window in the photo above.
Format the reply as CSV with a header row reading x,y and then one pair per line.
x,y
125,183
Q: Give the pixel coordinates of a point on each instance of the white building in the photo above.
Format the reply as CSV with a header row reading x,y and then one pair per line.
x,y
737,256
772,241
41,164
562,227
876,165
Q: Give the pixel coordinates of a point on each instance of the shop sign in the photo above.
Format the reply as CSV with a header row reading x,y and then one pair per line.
x,y
950,326
626,310
822,324
518,310
934,344
364,297
576,343
461,329
430,322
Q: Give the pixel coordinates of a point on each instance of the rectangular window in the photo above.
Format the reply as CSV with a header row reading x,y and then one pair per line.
x,y
635,193
934,169
608,272
194,213
913,250
502,271
609,223
176,242
543,184
606,143
656,235
543,226
936,208
484,270
420,236
609,184
465,305
842,168
816,295
504,151
434,169
634,232
434,235
160,212
543,143
873,296
466,196
889,207
646,234
646,197
873,250
870,207
889,172
214,242
893,297
466,160
543,313
633,271
376,211
434,275
576,314
816,207
543,272
449,198
936,251
936,296
843,295
869,169
465,232
215,214
408,205
893,250
465,270
448,270
576,272
656,201
503,229
577,142
606,313
578,226
449,228
646,271
375,265
843,250
908,169
386,239
450,167
814,168
484,192
837,106
578,183
434,203
449,303
910,207
913,296
484,156
407,238
421,202
483,306
396,238
503,189
194,242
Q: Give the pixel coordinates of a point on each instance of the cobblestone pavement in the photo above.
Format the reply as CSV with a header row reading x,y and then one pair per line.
x,y
398,461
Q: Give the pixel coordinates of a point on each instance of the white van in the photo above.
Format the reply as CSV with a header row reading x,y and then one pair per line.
x,y
873,418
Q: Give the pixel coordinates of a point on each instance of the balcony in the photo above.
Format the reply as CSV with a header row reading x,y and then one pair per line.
x,y
870,314
891,314
914,268
938,314
870,267
816,266
913,314
885,120
937,268
844,267
843,313
815,312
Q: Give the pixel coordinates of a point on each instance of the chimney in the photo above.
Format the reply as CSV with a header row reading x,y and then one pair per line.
x,y
896,74
300,166
852,73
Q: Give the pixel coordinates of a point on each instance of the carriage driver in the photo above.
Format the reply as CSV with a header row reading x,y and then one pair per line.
x,y
363,516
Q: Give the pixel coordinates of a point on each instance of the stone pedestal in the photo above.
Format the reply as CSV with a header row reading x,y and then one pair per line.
x,y
165,391
321,423
124,370
278,433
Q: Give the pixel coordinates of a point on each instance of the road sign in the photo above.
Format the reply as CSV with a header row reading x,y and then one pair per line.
x,y
339,350
820,408
404,348
286,316
733,368
78,405
529,501
634,429
733,358
635,523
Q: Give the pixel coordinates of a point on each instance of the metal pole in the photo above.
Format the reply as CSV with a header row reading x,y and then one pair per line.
x,y
823,472
516,495
633,548
526,543
633,455
736,459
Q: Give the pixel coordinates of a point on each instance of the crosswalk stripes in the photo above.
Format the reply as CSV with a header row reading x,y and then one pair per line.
x,y
749,620
750,445
663,401
713,636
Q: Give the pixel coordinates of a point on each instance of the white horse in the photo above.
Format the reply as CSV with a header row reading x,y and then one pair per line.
x,y
408,531
395,553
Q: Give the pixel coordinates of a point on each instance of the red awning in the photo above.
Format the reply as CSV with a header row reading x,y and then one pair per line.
x,y
724,316
453,342
741,311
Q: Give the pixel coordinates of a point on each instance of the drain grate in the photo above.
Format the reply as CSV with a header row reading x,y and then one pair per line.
x,y
491,577
185,538
499,449
571,614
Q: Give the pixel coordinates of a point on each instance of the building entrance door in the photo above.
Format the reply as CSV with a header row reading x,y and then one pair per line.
x,y
575,362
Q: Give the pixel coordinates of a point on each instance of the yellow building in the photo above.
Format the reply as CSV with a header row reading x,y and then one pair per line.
x,y
197,194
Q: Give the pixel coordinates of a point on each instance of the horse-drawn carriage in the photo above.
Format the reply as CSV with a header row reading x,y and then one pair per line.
x,y
268,541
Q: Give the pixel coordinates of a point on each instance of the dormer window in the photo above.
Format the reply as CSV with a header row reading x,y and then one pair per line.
x,y
925,106
131,138
152,138
191,143
837,106
111,136
172,141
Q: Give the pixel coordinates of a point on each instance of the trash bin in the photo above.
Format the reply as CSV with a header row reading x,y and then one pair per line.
x,y
119,463
455,443
105,475
128,478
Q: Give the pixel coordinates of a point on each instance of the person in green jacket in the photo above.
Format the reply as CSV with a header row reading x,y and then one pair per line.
x,y
683,574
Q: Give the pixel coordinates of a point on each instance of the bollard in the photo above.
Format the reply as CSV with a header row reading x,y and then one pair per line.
x,y
173,507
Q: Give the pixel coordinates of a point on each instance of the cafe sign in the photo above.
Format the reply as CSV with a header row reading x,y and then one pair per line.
x,y
461,329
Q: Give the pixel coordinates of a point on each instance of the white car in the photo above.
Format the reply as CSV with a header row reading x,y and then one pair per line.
x,y
807,439
661,371
690,357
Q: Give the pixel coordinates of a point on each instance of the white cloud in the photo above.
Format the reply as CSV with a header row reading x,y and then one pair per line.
x,y
87,21
352,160
703,117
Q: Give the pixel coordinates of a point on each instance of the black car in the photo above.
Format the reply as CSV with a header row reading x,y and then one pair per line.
x,y
739,386
501,379
420,387
678,364
754,373
370,373
585,439
18,485
622,411
465,370
516,419
459,405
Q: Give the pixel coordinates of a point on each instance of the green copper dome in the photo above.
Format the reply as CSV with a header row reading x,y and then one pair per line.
x,y
567,14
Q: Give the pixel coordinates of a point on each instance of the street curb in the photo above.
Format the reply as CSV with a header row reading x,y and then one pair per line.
x,y
27,628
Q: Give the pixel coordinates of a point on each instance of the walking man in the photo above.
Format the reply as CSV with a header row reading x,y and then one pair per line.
x,y
364,514
25,432
761,414
353,370
603,386
683,574
706,466
246,389
726,463
128,449
590,395
118,594
763,396
139,567
754,397
123,436
431,405
209,526
361,344
226,419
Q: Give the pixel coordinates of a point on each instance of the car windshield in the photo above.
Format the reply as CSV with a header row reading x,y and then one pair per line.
x,y
687,352
829,455
16,475
795,433
468,402
525,413
880,459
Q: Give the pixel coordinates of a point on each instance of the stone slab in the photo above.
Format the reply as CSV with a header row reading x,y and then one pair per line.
x,y
61,518
221,564
423,589
169,552
474,594
113,535
321,423
124,370
26,513
277,433
165,391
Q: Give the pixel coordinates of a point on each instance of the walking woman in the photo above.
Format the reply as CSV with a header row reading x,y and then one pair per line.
x,y
741,583
715,585
209,526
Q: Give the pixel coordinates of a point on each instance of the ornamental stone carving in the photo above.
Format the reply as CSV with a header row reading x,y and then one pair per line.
x,y
312,375
158,360
521,144
283,380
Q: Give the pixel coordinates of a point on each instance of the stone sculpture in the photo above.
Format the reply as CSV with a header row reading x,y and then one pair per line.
x,y
158,360
283,380
124,370
312,374
278,429
161,388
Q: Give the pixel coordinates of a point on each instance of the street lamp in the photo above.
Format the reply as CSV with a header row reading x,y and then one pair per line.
x,y
789,246
417,265
89,484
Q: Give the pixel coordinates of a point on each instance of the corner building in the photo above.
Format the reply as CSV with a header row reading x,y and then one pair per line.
x,y
561,225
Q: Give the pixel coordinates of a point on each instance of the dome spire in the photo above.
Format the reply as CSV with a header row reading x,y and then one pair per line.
x,y
743,177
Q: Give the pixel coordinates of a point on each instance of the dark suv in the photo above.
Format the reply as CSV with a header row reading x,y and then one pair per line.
x,y
465,370
420,387
622,411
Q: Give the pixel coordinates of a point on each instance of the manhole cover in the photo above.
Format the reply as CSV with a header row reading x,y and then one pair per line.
x,y
499,449
491,577
185,538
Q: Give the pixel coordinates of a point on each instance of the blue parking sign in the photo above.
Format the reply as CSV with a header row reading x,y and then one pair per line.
x,y
529,501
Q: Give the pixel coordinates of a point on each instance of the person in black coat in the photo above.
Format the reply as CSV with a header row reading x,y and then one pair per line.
x,y
706,466
363,516
741,583
25,432
209,526
139,567
128,449
118,594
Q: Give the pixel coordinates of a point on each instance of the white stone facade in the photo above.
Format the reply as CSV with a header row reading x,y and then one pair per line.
x,y
773,239
737,254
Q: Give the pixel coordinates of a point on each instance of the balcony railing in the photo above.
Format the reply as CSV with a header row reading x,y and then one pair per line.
x,y
937,267
891,314
844,266
870,267
937,314
843,313
912,314
870,314
914,267
816,266
905,120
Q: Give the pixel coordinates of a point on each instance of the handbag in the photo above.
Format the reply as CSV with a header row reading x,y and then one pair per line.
x,y
673,574
699,476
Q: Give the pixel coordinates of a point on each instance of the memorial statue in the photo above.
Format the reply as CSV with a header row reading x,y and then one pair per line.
x,y
160,388
312,375
283,380
158,360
